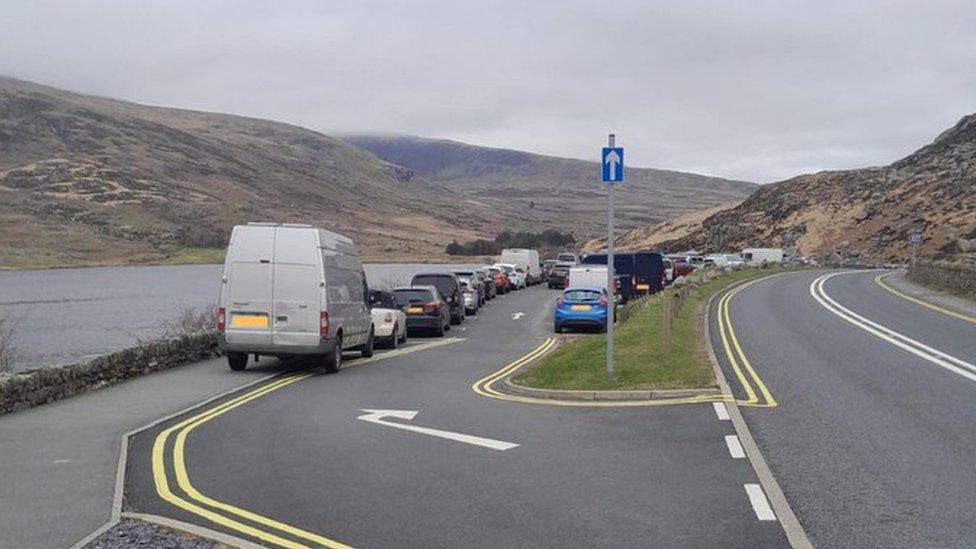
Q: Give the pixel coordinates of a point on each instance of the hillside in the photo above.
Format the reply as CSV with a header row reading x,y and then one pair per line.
x,y
87,180
548,192
861,215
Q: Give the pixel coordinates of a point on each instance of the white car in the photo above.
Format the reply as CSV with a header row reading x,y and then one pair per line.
x,y
515,278
389,319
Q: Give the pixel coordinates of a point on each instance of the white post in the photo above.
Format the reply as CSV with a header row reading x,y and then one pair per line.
x,y
612,306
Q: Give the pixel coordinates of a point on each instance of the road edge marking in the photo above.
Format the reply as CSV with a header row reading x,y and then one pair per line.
x,y
795,534
879,280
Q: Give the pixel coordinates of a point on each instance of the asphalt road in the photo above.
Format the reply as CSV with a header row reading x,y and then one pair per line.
x,y
872,444
579,477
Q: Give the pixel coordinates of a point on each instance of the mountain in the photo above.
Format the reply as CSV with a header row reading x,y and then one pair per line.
x,y
548,192
87,180
863,215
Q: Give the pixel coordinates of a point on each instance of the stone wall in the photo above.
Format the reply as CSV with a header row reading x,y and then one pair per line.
x,y
956,278
23,390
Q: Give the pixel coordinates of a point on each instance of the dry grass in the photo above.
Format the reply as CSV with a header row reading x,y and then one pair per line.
x,y
190,321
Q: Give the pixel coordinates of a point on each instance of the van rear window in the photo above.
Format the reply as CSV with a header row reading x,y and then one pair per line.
x,y
413,296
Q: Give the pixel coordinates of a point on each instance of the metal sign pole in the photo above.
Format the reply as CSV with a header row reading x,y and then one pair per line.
x,y
612,305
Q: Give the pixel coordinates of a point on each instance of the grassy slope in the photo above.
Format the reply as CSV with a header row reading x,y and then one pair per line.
x,y
640,362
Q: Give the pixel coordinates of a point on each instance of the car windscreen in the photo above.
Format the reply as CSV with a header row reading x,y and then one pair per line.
x,y
567,257
413,296
581,295
443,283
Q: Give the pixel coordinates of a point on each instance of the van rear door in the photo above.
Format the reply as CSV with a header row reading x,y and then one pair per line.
x,y
296,287
248,289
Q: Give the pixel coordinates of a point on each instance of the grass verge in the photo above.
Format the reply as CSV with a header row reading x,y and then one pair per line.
x,y
641,361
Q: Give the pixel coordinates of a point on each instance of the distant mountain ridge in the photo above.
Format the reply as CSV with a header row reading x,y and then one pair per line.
x,y
547,191
864,215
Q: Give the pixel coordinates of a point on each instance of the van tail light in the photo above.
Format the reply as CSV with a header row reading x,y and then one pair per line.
x,y
221,320
388,317
324,324
603,300
430,307
633,281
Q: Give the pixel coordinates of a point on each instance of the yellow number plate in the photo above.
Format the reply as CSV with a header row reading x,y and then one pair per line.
x,y
643,286
580,308
249,321
415,310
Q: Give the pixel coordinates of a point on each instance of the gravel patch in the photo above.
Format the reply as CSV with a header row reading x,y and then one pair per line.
x,y
136,533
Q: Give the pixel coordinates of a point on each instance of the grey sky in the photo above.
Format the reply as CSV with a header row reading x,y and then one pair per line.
x,y
758,90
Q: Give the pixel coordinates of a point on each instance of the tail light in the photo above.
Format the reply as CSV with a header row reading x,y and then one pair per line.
x,y
603,300
430,307
560,300
324,324
221,320
388,317
633,281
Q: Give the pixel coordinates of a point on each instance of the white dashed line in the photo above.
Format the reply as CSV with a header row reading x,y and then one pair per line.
x,y
721,411
735,448
759,502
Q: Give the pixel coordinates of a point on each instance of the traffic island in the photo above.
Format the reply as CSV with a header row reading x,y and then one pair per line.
x,y
660,349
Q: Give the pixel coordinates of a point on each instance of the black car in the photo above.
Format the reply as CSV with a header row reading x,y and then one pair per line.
x,y
425,309
450,288
559,275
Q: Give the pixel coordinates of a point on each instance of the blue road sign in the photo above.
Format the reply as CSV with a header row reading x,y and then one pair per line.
x,y
612,161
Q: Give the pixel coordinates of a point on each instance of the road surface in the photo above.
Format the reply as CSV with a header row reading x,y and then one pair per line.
x,y
872,443
294,466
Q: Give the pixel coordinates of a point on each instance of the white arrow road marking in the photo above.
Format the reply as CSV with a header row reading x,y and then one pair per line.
x,y
613,159
377,416
517,316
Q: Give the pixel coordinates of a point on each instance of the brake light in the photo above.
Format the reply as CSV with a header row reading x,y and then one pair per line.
x,y
221,320
324,324
603,300
560,300
430,307
633,281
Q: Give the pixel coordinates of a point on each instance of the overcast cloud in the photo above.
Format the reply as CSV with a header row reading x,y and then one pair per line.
x,y
751,90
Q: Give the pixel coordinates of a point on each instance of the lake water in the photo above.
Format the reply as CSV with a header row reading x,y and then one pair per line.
x,y
70,315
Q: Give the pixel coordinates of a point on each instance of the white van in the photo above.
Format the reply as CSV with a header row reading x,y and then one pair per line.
x,y
527,259
759,256
290,289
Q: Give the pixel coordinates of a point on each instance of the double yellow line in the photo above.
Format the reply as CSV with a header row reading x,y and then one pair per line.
x,y
194,501
224,514
744,372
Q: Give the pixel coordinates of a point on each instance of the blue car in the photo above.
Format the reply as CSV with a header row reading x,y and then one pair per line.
x,y
581,307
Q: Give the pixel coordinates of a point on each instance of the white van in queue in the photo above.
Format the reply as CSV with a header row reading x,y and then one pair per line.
x,y
593,276
291,289
527,259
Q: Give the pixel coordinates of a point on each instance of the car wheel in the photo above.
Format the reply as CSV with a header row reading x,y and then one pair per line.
x,y
237,361
439,331
333,360
557,328
394,339
367,350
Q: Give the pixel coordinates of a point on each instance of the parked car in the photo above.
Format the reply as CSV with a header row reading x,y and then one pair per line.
x,y
760,256
389,320
450,288
581,306
527,260
559,275
425,308
566,257
471,299
726,260
471,277
501,279
491,288
290,289
515,282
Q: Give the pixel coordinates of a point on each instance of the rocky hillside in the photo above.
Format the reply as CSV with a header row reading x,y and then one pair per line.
x,y
548,192
87,180
861,215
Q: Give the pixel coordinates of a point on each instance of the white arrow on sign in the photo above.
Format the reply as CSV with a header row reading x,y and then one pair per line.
x,y
517,316
377,416
613,159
